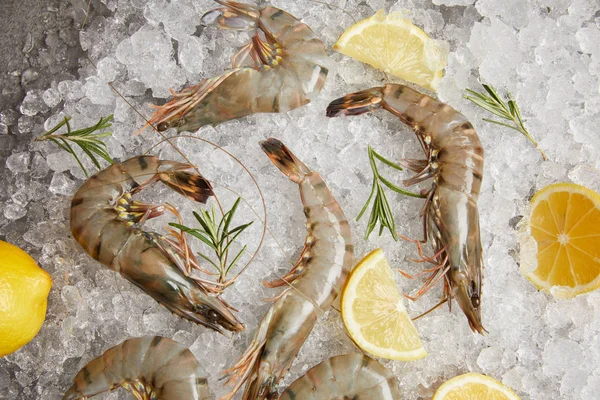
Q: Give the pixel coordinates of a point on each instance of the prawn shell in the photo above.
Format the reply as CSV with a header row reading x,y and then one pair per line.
x,y
350,376
152,364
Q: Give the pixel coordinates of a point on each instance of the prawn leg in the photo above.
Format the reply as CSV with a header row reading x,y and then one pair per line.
x,y
433,279
293,273
438,305
134,212
425,174
415,165
239,59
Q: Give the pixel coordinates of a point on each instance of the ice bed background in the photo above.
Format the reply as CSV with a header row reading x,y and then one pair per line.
x,y
546,52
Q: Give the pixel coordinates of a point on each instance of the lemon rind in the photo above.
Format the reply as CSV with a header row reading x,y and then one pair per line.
x,y
558,291
476,378
412,30
357,273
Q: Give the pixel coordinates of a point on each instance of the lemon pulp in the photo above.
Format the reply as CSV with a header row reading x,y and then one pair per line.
x,y
374,313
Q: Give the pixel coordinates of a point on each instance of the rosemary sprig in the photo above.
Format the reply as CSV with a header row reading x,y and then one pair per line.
x,y
381,212
492,102
85,138
218,236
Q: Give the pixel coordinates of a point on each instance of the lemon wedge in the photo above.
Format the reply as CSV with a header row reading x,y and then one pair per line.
x,y
474,386
564,225
374,313
394,45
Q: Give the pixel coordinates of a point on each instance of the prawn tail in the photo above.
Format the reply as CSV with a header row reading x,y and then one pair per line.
x,y
232,15
356,103
284,159
193,186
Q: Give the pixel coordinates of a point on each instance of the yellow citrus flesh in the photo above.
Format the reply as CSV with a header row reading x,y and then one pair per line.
x,y
396,46
473,386
24,289
565,224
374,313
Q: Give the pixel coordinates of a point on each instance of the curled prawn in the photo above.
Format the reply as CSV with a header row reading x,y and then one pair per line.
x,y
150,367
313,283
154,367
350,376
454,162
286,71
106,221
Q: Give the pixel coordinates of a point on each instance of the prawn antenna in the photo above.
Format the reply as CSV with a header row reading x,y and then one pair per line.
x,y
438,305
334,6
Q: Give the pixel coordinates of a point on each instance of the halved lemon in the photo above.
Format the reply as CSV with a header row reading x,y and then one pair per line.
x,y
374,313
393,44
565,225
474,386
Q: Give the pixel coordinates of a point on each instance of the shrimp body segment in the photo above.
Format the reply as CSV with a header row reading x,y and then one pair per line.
x,y
312,285
350,376
105,220
150,367
282,68
454,161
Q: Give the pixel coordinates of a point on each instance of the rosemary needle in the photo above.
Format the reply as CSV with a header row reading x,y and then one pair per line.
x,y
381,212
492,102
218,236
85,138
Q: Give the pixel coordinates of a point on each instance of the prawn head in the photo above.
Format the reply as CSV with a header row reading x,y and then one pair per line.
x,y
467,294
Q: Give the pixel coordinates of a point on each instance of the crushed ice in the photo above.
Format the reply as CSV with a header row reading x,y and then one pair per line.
x,y
544,52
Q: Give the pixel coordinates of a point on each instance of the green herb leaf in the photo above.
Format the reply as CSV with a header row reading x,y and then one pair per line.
x,y
382,212
236,259
88,141
491,101
215,233
207,258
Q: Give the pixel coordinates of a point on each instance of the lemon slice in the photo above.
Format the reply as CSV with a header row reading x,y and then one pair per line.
x,y
393,44
374,313
473,386
565,227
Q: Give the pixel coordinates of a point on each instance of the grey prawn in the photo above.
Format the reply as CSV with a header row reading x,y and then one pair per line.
x,y
454,162
312,285
150,367
278,72
106,221
155,367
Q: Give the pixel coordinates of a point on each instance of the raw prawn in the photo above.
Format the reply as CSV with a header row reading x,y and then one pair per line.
x,y
313,283
351,376
154,367
150,367
288,69
105,220
454,160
